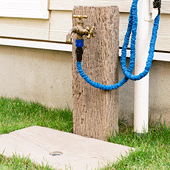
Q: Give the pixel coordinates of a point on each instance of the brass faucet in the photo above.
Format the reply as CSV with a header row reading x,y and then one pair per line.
x,y
80,30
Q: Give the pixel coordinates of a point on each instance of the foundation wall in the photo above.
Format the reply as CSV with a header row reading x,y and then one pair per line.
x,y
46,76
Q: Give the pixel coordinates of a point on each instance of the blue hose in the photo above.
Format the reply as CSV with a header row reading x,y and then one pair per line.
x,y
132,29
151,50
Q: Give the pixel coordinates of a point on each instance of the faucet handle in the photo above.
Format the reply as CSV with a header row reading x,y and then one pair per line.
x,y
80,17
90,32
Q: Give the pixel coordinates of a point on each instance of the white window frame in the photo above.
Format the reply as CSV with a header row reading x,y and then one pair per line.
x,y
24,9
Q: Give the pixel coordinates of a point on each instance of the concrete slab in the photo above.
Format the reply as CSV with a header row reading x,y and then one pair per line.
x,y
77,152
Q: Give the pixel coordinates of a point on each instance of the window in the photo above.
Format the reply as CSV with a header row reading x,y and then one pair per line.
x,y
24,8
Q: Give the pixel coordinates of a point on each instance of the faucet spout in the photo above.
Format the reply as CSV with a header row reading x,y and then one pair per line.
x,y
69,35
80,30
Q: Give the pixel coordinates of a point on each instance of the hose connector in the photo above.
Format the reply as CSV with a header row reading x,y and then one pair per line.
x,y
79,53
157,4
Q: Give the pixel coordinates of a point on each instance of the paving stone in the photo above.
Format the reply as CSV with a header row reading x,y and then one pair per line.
x,y
77,152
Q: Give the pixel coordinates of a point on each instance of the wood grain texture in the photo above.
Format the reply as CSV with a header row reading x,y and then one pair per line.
x,y
95,112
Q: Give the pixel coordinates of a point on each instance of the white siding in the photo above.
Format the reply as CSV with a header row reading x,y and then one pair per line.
x,y
124,5
163,40
60,22
24,8
64,6
24,28
61,5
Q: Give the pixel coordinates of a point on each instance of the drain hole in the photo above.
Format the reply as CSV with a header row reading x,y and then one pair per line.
x,y
56,153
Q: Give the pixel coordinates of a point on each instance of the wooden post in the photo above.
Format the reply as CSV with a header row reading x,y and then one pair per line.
x,y
95,111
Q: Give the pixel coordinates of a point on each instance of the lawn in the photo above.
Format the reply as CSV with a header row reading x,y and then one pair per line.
x,y
152,149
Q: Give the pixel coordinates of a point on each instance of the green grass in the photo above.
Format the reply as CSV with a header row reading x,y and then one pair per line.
x,y
17,114
152,149
20,163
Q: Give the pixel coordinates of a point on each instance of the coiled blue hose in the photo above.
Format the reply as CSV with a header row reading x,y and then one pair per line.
x,y
132,29
151,50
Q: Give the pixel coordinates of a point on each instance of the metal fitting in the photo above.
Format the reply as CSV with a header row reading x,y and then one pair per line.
x,y
157,4
80,30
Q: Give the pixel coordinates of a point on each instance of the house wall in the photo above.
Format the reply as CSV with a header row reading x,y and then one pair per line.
x,y
159,94
46,75
61,12
60,21
36,75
